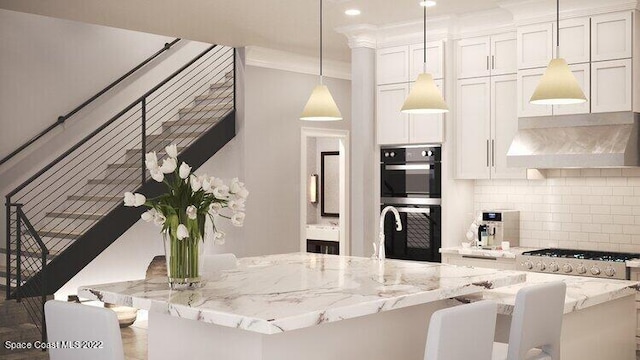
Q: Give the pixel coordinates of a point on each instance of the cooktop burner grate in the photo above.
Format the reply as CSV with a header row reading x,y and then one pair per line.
x,y
583,254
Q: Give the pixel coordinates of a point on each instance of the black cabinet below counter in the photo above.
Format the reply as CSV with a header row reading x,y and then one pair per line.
x,y
323,247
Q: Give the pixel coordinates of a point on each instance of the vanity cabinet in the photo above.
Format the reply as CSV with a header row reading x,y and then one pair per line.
x,y
486,124
397,68
486,56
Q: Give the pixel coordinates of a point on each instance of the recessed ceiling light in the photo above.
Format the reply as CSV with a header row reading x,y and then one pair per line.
x,y
352,12
428,3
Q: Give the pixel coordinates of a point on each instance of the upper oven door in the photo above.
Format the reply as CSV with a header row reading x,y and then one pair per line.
x,y
410,180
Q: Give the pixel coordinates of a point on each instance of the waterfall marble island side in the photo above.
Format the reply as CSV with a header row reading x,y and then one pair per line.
x,y
281,306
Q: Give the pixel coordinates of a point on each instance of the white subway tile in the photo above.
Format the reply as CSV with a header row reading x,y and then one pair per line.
x,y
603,219
556,181
623,191
595,237
631,229
630,248
590,172
559,217
601,190
592,200
543,216
551,226
582,218
552,199
613,200
576,181
571,199
567,244
559,235
608,247
540,234
631,172
560,208
633,181
600,209
612,228
617,181
591,228
624,219
624,210
531,225
597,181
578,236
611,172
570,172
620,238
541,207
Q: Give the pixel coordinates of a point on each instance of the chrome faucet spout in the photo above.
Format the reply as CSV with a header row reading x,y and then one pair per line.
x,y
380,254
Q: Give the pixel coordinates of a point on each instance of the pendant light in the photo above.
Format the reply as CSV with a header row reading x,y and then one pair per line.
x,y
321,106
558,85
425,97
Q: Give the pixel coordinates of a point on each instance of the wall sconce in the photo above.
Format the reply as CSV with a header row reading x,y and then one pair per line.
x,y
313,188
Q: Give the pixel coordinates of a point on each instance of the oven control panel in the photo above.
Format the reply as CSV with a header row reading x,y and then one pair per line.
x,y
577,267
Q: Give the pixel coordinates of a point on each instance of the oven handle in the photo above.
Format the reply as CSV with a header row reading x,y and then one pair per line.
x,y
414,210
409,167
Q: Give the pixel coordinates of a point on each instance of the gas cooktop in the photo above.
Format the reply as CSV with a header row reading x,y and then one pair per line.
x,y
583,254
601,264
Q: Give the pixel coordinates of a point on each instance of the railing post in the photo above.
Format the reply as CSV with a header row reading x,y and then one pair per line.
x,y
44,296
18,253
144,138
234,78
8,247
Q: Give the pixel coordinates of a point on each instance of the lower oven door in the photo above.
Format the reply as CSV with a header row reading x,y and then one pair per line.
x,y
419,238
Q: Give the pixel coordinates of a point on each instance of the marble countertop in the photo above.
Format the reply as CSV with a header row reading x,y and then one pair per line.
x,y
509,254
277,293
635,263
582,292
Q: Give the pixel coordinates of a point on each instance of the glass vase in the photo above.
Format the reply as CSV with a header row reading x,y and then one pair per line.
x,y
184,262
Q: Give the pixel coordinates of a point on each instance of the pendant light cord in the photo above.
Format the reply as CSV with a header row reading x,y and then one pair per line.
x,y
557,29
424,40
320,42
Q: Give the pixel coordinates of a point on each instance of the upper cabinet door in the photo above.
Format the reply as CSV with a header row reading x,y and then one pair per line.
x,y
503,54
435,60
473,128
611,36
504,125
473,57
527,82
611,86
582,72
428,128
392,65
574,40
535,45
392,125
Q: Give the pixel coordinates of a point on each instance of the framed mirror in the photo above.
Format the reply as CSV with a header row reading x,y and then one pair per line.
x,y
330,183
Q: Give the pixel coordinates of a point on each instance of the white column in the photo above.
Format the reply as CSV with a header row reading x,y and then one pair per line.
x,y
364,192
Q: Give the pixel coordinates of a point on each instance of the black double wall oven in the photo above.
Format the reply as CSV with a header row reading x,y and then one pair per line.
x,y
410,181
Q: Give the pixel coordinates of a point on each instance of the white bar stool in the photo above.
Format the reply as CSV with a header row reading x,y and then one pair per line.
x,y
463,332
218,262
536,324
76,323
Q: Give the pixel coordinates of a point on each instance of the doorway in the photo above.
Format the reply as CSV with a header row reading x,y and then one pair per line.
x,y
324,191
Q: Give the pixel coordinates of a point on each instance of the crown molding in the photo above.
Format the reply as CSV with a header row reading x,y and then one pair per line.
x,y
360,36
288,61
526,12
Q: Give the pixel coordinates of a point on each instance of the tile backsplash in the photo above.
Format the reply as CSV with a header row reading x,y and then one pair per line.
x,y
595,209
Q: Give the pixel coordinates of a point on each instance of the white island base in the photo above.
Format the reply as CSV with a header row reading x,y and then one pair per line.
x,y
395,334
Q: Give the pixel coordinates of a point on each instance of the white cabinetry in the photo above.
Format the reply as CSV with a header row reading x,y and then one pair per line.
x,y
611,89
527,81
574,40
611,36
485,56
397,68
582,73
479,261
486,123
535,45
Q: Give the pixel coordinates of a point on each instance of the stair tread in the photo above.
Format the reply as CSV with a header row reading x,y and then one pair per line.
x,y
57,233
113,181
30,252
208,107
75,215
184,134
25,272
113,198
219,93
208,120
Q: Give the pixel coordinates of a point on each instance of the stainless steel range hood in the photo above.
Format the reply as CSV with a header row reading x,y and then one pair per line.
x,y
576,141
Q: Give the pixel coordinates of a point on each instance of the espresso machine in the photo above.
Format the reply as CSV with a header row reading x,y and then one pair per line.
x,y
498,226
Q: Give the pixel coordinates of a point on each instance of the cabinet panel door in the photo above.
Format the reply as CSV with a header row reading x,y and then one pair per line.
x,y
575,40
611,86
611,36
504,125
473,128
582,72
473,57
435,59
392,65
527,82
503,54
392,125
428,128
535,45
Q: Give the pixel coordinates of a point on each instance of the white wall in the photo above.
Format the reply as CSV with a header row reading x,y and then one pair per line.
x,y
594,209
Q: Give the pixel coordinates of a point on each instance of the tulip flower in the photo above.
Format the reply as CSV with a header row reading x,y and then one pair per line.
x,y
221,192
218,237
237,219
184,171
192,212
169,165
134,200
196,184
149,215
172,151
159,219
215,208
182,232
151,160
157,175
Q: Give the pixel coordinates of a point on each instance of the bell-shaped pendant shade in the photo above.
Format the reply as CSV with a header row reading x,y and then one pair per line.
x,y
425,97
558,86
320,106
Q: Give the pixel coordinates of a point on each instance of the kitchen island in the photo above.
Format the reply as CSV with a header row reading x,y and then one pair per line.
x,y
302,306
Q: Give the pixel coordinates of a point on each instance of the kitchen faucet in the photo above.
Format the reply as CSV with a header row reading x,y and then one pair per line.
x,y
380,254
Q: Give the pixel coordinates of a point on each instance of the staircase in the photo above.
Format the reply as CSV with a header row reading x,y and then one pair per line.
x,y
16,325
66,214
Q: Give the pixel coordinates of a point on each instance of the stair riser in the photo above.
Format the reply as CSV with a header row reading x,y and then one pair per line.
x,y
68,224
199,125
215,97
92,206
217,111
111,189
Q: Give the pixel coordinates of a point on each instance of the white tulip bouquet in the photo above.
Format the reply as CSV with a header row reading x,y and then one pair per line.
x,y
184,209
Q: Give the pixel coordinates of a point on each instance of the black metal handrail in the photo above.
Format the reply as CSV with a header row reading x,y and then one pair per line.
x,y
138,101
61,119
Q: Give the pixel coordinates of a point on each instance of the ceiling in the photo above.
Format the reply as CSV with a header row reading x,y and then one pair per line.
x,y
290,25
